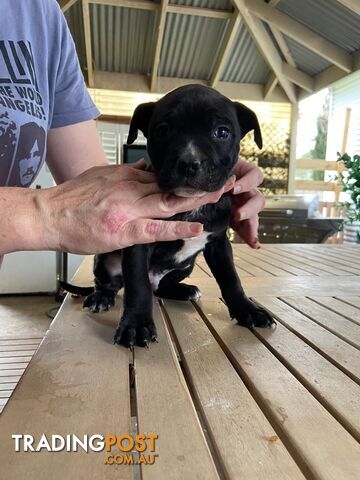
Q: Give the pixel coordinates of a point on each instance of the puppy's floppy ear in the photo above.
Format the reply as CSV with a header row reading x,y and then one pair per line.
x,y
140,121
248,121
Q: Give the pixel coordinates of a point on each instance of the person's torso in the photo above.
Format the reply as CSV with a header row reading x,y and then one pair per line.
x,y
26,89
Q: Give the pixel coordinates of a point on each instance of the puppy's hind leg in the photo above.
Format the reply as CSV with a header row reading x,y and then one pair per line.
x,y
171,289
108,281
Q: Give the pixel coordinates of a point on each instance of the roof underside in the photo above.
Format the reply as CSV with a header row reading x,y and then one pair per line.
x,y
214,48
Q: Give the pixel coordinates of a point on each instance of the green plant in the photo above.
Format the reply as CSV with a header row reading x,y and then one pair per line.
x,y
350,181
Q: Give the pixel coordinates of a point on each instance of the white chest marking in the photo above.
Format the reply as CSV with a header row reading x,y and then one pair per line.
x,y
192,246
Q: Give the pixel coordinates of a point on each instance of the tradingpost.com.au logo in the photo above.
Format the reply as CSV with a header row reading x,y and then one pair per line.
x,y
119,449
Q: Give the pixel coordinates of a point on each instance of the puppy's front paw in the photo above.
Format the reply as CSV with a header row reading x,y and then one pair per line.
x,y
250,315
99,301
135,331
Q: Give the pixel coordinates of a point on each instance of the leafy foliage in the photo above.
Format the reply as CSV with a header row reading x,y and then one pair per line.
x,y
350,181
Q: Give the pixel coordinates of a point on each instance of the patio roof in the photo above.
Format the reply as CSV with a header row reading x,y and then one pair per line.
x,y
277,50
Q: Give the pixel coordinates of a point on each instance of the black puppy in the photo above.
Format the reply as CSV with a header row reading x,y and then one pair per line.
x,y
193,136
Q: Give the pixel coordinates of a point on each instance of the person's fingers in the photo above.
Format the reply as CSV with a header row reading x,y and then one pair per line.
x,y
248,231
148,231
248,177
254,204
140,164
162,205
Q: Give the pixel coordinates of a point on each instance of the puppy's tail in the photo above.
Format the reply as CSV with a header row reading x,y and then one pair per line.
x,y
83,291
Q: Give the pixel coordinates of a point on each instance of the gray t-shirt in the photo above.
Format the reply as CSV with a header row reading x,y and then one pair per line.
x,y
41,85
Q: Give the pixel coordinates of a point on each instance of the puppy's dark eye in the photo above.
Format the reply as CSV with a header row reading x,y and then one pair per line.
x,y
162,129
221,132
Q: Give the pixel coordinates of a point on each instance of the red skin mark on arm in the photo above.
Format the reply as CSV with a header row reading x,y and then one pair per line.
x,y
114,220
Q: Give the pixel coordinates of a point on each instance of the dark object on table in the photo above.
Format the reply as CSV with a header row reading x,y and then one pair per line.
x,y
295,219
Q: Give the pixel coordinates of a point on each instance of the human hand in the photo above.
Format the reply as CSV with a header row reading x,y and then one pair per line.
x,y
247,202
111,207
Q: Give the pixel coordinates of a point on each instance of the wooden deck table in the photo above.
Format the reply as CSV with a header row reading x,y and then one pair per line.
x,y
281,403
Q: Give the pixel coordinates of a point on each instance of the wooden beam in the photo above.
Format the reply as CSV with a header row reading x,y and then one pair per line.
x,y
200,12
319,164
266,46
88,47
159,42
331,75
180,9
285,50
66,4
353,5
301,34
227,44
139,4
298,77
293,146
270,85
140,83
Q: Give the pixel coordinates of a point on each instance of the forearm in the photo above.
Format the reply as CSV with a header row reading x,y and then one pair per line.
x,y
73,149
22,222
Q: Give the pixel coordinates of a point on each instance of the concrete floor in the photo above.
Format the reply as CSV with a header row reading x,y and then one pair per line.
x,y
25,315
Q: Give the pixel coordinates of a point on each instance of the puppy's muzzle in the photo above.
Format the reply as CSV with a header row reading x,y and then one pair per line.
x,y
188,167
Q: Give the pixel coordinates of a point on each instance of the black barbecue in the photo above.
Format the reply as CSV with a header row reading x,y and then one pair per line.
x,y
295,219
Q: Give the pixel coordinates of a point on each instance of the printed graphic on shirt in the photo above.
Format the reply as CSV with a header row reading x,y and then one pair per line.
x,y
22,145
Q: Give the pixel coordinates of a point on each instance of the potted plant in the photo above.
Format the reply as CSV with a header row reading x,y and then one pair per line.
x,y
350,181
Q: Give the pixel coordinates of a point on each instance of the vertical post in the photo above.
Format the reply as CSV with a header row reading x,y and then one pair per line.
x,y
293,137
88,46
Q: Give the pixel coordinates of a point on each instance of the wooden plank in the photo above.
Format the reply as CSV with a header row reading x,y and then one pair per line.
x,y
279,262
16,364
158,43
254,269
88,46
340,353
22,359
303,257
355,301
242,436
7,386
333,322
321,165
66,4
263,263
323,259
78,383
16,353
326,285
270,85
5,393
32,342
12,378
298,77
165,407
11,373
313,186
199,12
15,349
231,32
352,5
345,310
335,390
325,452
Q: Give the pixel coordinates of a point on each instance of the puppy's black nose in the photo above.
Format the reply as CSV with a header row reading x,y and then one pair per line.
x,y
188,167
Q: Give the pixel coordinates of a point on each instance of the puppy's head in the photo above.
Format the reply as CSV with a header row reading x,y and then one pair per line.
x,y
193,135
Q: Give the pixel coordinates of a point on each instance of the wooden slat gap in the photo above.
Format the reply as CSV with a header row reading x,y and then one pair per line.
x,y
334,311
